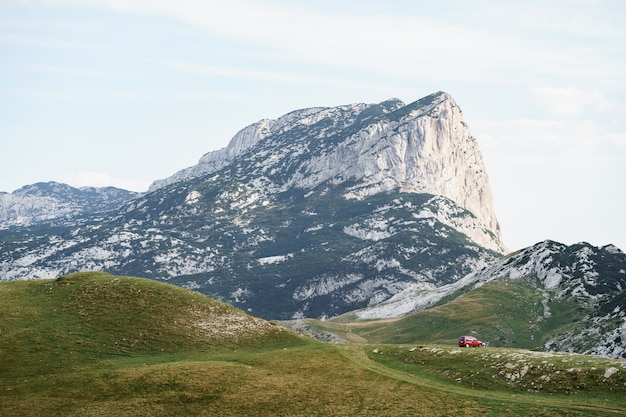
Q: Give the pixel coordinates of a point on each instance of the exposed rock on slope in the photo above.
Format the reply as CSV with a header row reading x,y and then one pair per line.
x,y
316,213
423,147
592,278
380,207
586,284
54,202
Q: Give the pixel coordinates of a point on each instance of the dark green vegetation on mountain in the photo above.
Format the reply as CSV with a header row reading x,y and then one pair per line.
x,y
319,212
93,344
311,254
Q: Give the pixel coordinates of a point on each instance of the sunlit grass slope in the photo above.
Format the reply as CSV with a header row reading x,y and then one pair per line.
x,y
502,313
84,317
93,344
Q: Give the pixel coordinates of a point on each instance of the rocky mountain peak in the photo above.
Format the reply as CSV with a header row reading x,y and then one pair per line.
x,y
380,210
422,147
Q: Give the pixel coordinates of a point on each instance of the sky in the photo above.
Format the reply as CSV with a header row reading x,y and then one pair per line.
x,y
124,92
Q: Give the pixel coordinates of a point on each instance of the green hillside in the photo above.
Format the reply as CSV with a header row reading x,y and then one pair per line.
x,y
84,317
93,344
503,313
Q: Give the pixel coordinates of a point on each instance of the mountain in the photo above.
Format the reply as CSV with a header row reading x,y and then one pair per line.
x,y
357,212
55,202
591,280
319,212
423,147
549,297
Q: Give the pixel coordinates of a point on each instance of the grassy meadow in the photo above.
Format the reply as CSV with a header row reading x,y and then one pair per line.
x,y
502,313
93,344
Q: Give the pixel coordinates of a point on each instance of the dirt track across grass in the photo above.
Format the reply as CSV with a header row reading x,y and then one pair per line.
x,y
358,354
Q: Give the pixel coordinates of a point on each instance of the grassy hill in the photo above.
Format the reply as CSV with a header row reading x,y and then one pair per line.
x,y
503,313
85,317
93,344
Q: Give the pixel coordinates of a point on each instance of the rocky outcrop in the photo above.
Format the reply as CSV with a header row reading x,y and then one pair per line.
x,y
587,280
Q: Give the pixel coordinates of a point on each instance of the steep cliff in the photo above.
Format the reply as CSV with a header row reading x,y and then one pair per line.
x,y
423,147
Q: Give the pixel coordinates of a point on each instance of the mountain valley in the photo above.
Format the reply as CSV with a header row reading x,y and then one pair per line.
x,y
351,216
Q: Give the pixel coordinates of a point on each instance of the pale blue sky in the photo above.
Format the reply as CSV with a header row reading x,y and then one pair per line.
x,y
123,92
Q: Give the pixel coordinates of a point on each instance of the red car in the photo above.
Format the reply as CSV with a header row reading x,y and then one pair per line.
x,y
469,341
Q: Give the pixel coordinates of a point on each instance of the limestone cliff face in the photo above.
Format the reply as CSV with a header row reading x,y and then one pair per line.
x,y
430,150
422,147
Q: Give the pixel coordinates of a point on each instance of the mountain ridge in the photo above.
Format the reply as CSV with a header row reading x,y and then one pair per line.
x,y
361,209
56,202
422,147
322,211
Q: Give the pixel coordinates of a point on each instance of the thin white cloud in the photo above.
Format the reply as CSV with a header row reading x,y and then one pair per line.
x,y
574,143
70,71
619,140
223,71
576,19
393,43
113,95
570,101
583,2
388,40
252,74
37,41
